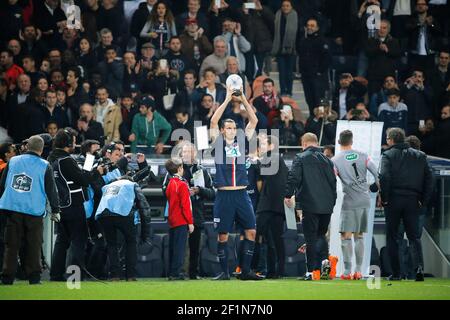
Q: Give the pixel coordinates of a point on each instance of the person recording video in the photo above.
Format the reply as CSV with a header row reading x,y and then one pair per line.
x,y
71,228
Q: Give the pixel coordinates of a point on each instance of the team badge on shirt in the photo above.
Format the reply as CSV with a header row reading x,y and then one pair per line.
x,y
22,183
232,151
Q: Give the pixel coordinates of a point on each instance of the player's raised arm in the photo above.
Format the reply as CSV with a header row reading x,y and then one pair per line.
x,y
253,119
214,127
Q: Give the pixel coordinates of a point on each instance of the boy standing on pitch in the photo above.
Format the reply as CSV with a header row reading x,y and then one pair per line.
x,y
180,217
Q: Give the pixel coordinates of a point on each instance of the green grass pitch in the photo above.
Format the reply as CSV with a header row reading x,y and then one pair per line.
x,y
285,289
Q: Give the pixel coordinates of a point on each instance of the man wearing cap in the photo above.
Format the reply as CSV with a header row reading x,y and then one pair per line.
x,y
147,58
149,128
194,43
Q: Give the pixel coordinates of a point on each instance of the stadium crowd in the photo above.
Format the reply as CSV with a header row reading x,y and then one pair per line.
x,y
112,73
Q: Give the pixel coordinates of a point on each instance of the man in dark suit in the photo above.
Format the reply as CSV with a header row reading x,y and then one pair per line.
x,y
313,182
406,185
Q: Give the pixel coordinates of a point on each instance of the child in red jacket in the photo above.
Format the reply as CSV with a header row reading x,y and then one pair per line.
x,y
180,217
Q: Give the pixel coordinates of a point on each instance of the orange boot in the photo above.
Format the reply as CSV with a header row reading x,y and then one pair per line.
x,y
333,263
316,275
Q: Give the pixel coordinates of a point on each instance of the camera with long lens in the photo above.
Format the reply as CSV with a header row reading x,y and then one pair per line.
x,y
107,164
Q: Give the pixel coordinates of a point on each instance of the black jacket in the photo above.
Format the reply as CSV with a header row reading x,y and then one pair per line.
x,y
71,171
382,64
313,55
313,182
206,193
271,196
405,171
355,94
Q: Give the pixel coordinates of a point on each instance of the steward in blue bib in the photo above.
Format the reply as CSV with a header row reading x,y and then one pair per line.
x,y
116,212
26,183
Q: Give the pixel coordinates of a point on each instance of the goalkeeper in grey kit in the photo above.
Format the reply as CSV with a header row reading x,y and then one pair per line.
x,y
351,167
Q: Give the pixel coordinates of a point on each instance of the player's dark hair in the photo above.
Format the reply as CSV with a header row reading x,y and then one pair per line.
x,y
4,149
228,120
345,138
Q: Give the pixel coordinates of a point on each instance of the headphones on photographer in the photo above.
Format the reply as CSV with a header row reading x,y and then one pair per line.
x,y
69,141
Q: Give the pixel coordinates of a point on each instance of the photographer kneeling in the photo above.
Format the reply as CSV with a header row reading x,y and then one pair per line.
x,y
116,212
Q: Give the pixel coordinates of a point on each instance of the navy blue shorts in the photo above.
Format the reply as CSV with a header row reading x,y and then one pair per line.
x,y
233,206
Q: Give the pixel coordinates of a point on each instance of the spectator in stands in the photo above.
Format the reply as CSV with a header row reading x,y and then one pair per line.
x,y
45,66
42,85
206,109
286,26
379,97
28,117
443,134
349,92
148,59
419,99
32,44
4,95
238,45
208,85
180,215
185,122
140,17
76,96
11,70
323,124
11,19
399,12
70,39
108,114
149,128
29,66
218,59
393,113
314,61
268,103
89,19
16,48
52,112
360,113
159,28
20,96
188,97
382,53
427,136
440,81
111,16
133,75
54,56
216,16
86,55
423,32
88,128
406,185
315,196
177,60
57,78
258,29
49,18
106,41
52,128
234,68
193,13
112,71
194,43
128,110
289,130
